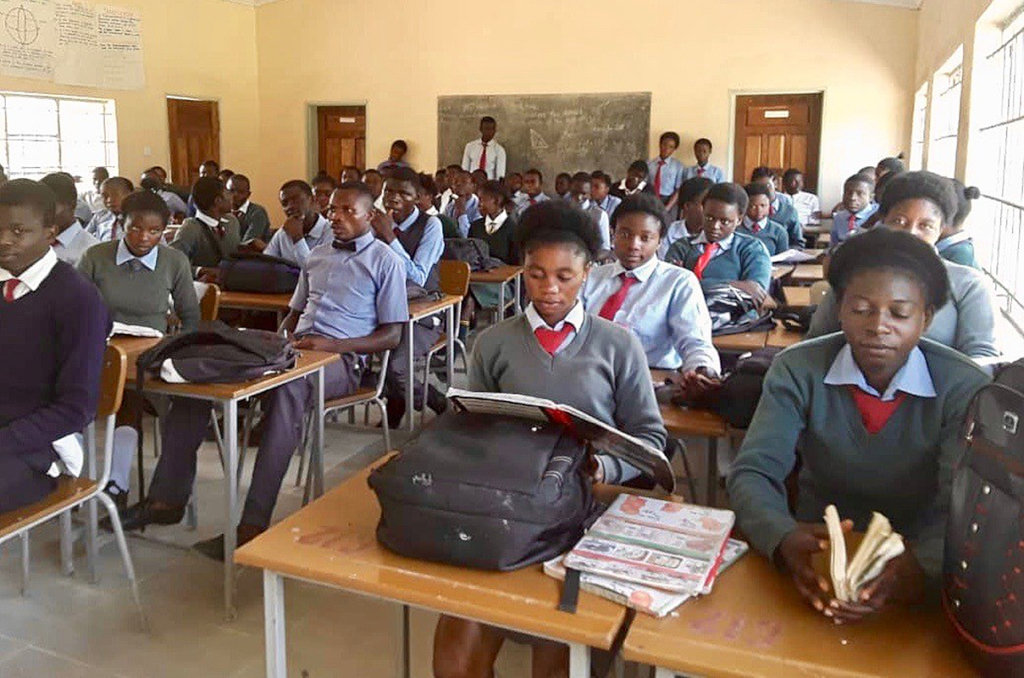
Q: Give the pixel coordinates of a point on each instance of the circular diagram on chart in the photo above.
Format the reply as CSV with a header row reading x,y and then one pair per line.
x,y
22,26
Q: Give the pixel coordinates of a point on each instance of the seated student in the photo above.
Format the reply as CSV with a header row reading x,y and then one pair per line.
x,y
451,173
53,333
498,227
858,207
304,228
375,180
808,207
781,208
665,173
562,182
702,152
721,255
555,350
635,181
225,175
209,168
757,223
213,233
479,177
108,223
922,203
396,157
464,209
141,280
441,182
93,198
663,304
426,191
350,300
183,193
323,186
691,213
72,240
579,194
887,166
151,181
875,413
600,192
514,183
253,219
532,193
955,244
349,173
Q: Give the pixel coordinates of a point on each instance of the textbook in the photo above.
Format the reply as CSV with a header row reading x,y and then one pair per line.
x,y
121,329
602,436
794,257
880,545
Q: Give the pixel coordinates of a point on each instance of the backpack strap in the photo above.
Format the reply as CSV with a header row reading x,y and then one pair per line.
x,y
570,591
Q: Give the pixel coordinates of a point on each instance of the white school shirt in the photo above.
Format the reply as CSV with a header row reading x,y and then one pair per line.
x,y
72,242
574,317
494,164
806,205
282,246
492,225
676,231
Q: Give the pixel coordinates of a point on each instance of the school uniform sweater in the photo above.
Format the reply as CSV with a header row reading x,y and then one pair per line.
x,y
502,243
958,248
771,233
746,259
602,371
904,471
196,240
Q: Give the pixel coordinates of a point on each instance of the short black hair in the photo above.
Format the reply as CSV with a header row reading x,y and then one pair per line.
x,y
101,170
126,184
405,174
893,250
63,187
400,143
359,187
929,186
536,172
580,176
642,203
325,178
757,188
453,166
150,182
241,177
601,176
427,184
564,175
891,165
965,195
488,118
860,179
693,189
297,183
225,174
790,173
32,194
146,201
671,136
495,188
762,172
705,141
559,222
730,194
638,165
372,171
205,192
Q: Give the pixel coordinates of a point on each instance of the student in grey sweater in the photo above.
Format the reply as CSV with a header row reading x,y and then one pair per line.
x,y
875,413
921,203
213,233
555,351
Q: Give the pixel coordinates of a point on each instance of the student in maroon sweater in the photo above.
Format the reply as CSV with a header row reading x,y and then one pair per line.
x,y
53,331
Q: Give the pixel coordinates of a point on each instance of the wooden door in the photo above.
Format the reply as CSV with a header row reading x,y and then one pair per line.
x,y
195,137
779,131
341,138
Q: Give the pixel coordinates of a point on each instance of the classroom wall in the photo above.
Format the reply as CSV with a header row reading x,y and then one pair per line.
x,y
398,57
198,48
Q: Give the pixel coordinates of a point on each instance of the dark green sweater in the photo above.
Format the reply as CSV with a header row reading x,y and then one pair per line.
x,y
904,471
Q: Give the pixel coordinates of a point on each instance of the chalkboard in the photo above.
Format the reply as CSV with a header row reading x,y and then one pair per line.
x,y
551,132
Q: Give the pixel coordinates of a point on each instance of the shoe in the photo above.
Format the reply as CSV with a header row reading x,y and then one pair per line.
x,y
214,548
395,411
119,496
138,516
436,400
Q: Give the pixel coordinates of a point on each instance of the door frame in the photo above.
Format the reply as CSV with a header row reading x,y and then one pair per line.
x,y
735,93
167,125
312,130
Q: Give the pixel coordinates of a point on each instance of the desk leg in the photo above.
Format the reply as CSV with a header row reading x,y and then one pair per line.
x,y
579,661
318,434
273,625
230,504
449,345
501,301
519,292
712,493
409,402
403,667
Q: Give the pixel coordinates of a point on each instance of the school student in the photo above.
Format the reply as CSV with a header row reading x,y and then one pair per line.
x,y
756,221
635,181
557,351
485,153
875,413
562,182
350,300
396,157
702,152
532,191
781,208
808,206
691,213
579,194
151,181
72,240
888,166
858,207
426,191
108,223
349,173
665,173
304,228
53,333
464,208
514,184
375,180
955,244
323,186
600,192
498,227
253,219
451,173
922,203
213,233
209,168
718,254
92,197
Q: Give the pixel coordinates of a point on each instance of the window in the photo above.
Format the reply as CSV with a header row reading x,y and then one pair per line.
x,y
43,134
919,130
945,123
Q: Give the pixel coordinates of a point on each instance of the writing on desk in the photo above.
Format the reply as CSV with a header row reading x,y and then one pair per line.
x,y
756,633
337,539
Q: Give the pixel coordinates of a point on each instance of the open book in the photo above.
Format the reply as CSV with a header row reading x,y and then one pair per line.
x,y
794,257
602,436
879,546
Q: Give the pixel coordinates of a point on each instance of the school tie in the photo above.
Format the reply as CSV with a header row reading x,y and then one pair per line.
x,y
533,201
875,412
115,228
483,159
755,226
700,171
9,288
771,209
491,226
239,214
342,245
397,231
134,265
657,178
851,223
705,259
551,340
614,303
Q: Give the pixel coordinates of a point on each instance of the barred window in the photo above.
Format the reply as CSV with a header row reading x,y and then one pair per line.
x,y
919,131
945,122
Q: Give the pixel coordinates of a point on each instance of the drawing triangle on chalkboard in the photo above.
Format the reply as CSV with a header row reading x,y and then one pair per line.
x,y
536,140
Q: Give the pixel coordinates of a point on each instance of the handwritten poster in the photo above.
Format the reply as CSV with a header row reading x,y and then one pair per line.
x,y
72,43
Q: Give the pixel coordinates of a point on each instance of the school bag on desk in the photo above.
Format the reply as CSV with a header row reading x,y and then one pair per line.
x,y
260,273
473,251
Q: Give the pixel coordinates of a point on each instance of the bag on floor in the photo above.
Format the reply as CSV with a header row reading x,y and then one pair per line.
x,y
740,392
259,273
491,492
983,566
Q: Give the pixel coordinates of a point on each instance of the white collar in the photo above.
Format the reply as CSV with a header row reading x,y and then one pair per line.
x,y
494,224
33,276
574,317
641,272
912,378
70,233
749,223
124,254
244,208
723,244
639,187
321,225
409,220
956,238
206,218
432,211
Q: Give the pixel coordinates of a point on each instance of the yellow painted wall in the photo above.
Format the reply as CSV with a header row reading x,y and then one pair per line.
x,y
399,56
199,48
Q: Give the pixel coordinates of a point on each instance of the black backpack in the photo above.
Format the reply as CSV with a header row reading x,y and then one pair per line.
x,y
490,492
261,273
983,565
473,251
734,311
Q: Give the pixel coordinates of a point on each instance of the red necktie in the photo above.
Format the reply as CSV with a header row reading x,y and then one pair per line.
x,y
483,158
114,228
755,226
220,229
533,201
9,288
875,412
614,303
851,223
657,178
771,209
705,259
700,171
550,340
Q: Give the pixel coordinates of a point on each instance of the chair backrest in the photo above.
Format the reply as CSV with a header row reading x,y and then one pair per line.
x,y
209,300
115,371
454,276
818,291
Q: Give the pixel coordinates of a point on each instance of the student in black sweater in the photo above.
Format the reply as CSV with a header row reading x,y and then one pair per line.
x,y
53,331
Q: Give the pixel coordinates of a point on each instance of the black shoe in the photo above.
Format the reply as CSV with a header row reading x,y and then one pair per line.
x,y
436,400
138,516
119,496
395,410
211,548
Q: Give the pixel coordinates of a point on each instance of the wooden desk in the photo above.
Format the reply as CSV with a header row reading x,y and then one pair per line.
x,y
755,623
418,310
780,337
133,347
797,296
501,276
780,271
740,343
808,273
331,542
254,301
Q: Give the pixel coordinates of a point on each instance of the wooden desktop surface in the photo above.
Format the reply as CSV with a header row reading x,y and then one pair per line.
x,y
255,301
496,275
684,421
808,273
421,308
797,296
740,343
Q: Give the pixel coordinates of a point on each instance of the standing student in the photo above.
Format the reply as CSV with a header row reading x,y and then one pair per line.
x,y
485,153
53,333
304,228
875,413
213,233
151,181
579,194
396,157
600,192
858,207
556,351
108,223
954,243
721,255
323,186
662,304
532,193
635,181
72,240
691,213
562,182
922,203
781,208
426,191
350,300
464,209
252,218
665,173
808,206
757,223
702,152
